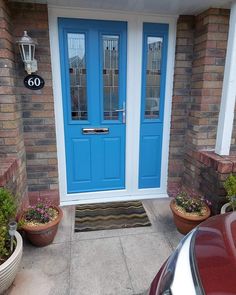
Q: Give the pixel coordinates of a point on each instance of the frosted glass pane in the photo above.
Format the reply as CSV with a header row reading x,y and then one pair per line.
x,y
78,77
110,76
153,77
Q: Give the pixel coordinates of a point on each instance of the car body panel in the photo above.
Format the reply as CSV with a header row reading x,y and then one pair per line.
x,y
155,282
215,254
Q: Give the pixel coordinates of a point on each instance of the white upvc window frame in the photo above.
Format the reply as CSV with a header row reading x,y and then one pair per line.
x,y
227,106
134,73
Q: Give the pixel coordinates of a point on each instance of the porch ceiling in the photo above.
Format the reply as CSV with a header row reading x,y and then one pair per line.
x,y
170,7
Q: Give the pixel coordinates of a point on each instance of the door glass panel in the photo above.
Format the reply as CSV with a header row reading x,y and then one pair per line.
x,y
77,70
110,76
153,77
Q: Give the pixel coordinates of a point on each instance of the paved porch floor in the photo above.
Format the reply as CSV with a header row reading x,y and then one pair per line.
x,y
112,262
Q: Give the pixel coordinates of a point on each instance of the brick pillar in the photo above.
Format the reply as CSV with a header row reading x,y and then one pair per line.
x,y
180,100
38,106
11,131
207,78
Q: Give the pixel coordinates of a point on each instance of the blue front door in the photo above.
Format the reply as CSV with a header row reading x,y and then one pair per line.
x,y
155,39
93,70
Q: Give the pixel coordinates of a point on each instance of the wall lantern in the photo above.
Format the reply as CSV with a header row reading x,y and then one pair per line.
x,y
27,50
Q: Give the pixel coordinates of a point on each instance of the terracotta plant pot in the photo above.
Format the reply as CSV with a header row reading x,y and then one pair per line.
x,y
185,223
42,235
10,267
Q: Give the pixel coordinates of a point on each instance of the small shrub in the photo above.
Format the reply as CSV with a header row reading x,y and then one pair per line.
x,y
230,187
7,212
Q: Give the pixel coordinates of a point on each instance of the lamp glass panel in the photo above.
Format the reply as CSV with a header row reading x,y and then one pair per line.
x,y
32,50
22,52
26,51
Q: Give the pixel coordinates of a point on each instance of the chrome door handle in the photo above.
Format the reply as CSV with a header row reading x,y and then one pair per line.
x,y
123,110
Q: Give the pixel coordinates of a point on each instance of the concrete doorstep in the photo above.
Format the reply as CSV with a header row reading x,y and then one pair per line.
x,y
111,262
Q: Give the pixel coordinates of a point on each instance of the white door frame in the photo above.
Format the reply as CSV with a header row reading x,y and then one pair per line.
x,y
134,74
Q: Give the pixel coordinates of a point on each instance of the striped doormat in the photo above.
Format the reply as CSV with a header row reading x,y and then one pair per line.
x,y
110,216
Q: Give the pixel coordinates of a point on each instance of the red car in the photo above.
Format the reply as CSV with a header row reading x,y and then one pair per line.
x,y
204,262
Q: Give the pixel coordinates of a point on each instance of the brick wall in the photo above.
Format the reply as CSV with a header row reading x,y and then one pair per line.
x,y
38,106
233,140
207,77
208,69
181,99
214,170
11,127
199,69
9,173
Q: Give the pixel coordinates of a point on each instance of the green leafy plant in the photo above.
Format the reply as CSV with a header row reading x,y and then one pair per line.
x,y
190,203
230,187
8,210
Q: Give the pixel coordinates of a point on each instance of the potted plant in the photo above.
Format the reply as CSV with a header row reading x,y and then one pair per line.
x,y
230,187
40,222
11,245
188,211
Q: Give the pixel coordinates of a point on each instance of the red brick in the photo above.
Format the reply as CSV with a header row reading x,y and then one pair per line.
x,y
225,167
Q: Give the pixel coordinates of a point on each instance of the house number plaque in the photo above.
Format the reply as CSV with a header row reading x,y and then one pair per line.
x,y
34,82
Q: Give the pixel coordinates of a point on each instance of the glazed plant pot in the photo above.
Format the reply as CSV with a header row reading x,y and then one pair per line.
x,y
186,222
43,234
10,267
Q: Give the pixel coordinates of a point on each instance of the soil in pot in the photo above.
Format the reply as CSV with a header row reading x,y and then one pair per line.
x,y
5,257
185,222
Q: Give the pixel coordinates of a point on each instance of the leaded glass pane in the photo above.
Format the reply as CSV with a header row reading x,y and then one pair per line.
x,y
153,77
110,76
77,70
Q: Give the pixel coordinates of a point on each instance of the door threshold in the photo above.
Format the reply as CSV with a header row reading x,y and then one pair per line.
x,y
90,200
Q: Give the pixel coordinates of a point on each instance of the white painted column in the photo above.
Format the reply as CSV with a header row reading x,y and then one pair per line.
x,y
134,74
226,116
